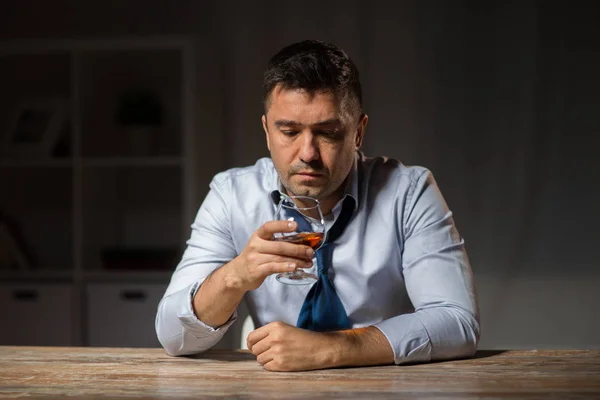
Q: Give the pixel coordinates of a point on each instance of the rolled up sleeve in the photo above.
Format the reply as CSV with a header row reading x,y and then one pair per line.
x,y
439,282
210,246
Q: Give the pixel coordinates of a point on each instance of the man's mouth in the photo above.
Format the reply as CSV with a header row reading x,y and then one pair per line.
x,y
308,177
309,174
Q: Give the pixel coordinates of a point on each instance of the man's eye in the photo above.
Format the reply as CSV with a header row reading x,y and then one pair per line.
x,y
334,134
289,133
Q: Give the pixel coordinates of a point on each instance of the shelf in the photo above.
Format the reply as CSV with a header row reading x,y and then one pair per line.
x,y
127,276
132,162
109,81
89,276
45,46
35,275
43,163
105,184
101,162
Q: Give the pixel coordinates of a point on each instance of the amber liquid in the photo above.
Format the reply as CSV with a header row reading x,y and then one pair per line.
x,y
312,239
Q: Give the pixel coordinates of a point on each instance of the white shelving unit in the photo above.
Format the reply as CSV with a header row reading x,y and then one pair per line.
x,y
97,191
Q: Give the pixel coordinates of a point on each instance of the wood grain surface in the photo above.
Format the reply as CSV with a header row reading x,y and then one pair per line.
x,y
87,372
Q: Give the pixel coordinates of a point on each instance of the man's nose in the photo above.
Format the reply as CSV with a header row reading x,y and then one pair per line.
x,y
310,150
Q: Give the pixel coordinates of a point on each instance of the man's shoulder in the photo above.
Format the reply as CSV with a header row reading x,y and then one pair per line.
x,y
260,173
382,168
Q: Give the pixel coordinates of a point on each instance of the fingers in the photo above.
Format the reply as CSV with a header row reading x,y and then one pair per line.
x,y
286,249
268,263
281,262
264,358
274,268
263,256
268,246
267,230
260,347
256,336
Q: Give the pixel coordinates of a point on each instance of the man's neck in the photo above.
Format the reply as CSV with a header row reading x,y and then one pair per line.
x,y
328,203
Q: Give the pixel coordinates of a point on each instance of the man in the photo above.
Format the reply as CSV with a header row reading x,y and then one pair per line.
x,y
398,271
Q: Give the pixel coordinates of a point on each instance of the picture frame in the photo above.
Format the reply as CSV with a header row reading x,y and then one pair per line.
x,y
35,126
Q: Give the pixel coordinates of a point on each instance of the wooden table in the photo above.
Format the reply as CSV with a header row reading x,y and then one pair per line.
x,y
149,373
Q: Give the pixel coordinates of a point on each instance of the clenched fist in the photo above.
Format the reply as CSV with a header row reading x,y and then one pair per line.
x,y
282,347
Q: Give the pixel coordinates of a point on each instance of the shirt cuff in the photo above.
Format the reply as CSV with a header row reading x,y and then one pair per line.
x,y
193,325
408,337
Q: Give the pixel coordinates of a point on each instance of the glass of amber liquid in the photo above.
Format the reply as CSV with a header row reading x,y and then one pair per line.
x,y
307,213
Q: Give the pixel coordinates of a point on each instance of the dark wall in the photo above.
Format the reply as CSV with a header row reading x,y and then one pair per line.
x,y
499,99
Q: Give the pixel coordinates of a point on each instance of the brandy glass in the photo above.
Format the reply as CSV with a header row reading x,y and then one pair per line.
x,y
306,212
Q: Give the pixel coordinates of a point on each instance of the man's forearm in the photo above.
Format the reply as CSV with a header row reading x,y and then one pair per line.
x,y
360,347
218,297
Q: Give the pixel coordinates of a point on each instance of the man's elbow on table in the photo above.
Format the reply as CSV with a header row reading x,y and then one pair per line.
x,y
453,333
185,344
469,338
181,333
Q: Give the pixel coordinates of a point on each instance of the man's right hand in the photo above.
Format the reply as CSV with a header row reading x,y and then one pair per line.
x,y
220,294
262,256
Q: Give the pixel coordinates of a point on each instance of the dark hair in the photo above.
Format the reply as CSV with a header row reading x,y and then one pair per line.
x,y
314,66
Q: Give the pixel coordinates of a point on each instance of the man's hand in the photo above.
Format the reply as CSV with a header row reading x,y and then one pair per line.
x,y
222,291
282,347
262,256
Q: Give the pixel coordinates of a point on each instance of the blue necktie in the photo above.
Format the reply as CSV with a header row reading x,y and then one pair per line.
x,y
322,310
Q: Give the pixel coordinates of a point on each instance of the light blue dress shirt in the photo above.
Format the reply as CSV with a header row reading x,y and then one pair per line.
x,y
400,265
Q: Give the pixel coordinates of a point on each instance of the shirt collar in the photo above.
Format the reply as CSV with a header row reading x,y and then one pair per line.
x,y
350,188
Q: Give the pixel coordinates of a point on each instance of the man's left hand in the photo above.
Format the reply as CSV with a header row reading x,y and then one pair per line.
x,y
282,347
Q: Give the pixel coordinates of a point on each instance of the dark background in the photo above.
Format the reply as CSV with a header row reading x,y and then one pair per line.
x,y
499,99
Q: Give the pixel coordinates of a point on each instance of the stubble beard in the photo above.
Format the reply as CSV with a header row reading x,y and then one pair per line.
x,y
309,191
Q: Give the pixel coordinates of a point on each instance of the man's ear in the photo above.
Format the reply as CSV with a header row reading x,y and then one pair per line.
x,y
360,132
264,124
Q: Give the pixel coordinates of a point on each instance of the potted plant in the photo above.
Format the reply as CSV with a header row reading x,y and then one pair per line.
x,y
140,113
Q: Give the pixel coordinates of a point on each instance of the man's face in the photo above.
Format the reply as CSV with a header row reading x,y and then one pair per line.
x,y
312,141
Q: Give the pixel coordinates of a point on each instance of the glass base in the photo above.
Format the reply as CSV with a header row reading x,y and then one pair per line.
x,y
296,278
